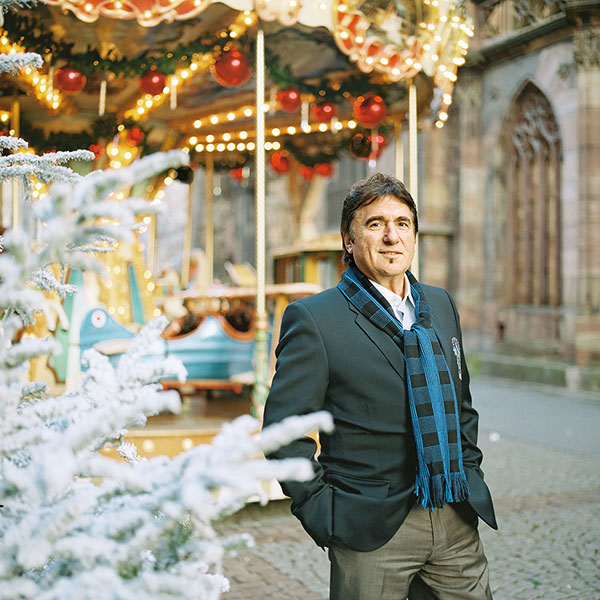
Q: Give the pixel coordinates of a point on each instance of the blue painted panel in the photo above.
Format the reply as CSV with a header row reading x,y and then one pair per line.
x,y
97,326
207,353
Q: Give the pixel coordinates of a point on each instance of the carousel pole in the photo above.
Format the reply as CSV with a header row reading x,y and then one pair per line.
x,y
151,250
413,165
15,121
208,217
187,238
261,355
399,151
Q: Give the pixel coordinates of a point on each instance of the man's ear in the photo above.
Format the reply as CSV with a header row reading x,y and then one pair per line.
x,y
348,242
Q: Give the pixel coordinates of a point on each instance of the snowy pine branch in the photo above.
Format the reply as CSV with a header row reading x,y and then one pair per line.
x,y
277,435
4,4
13,63
100,184
12,144
27,349
43,279
13,167
33,391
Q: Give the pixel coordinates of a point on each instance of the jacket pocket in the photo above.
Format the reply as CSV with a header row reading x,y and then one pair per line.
x,y
316,515
375,488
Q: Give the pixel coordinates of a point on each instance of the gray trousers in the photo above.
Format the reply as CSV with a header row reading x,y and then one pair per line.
x,y
434,554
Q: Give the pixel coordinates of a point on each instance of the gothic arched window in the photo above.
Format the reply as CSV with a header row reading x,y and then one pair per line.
x,y
533,235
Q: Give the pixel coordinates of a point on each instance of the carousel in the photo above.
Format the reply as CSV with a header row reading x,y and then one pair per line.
x,y
251,88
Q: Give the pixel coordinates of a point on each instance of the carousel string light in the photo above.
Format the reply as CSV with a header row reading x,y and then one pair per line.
x,y
147,102
438,48
244,140
43,89
200,62
147,14
40,190
245,112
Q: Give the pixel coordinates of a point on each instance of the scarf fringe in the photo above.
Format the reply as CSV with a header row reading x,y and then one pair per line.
x,y
434,492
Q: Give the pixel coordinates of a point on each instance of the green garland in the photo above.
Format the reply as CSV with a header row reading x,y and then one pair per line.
x,y
329,151
223,164
338,92
104,128
25,28
323,153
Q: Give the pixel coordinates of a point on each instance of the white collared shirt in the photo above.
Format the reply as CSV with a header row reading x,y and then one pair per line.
x,y
404,308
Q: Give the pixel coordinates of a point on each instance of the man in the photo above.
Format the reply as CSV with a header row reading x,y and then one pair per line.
x,y
398,488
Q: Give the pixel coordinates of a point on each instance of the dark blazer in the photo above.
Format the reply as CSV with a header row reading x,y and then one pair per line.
x,y
330,357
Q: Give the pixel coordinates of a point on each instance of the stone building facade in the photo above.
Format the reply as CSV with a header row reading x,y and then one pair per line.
x,y
511,191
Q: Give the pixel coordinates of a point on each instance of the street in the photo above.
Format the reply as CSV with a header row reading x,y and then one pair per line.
x,y
542,463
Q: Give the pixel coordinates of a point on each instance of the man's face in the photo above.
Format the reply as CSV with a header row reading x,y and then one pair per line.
x,y
382,241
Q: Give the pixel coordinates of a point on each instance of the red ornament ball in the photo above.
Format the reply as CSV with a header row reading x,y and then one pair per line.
x,y
370,110
97,149
324,169
360,146
280,161
324,111
307,172
135,136
69,80
231,69
289,99
152,82
237,174
380,139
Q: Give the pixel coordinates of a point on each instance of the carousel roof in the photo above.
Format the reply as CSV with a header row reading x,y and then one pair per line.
x,y
336,50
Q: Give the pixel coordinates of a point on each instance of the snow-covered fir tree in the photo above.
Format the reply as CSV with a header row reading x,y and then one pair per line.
x,y
73,523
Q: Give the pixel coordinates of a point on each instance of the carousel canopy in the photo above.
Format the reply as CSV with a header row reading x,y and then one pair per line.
x,y
132,76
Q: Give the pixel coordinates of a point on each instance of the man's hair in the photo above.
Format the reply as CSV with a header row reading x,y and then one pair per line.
x,y
366,191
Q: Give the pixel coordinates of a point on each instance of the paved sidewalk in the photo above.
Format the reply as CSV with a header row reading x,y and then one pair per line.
x,y
542,462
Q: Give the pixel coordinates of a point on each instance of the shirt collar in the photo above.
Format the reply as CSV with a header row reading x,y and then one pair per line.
x,y
396,299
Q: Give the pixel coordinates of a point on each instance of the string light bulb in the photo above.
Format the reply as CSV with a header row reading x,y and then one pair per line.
x,y
44,93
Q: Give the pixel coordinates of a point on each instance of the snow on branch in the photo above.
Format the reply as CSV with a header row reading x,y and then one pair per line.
x,y
46,168
13,63
16,4
27,349
100,184
12,144
279,434
43,279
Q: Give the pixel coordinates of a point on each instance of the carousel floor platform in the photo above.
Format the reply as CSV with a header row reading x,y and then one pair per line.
x,y
201,418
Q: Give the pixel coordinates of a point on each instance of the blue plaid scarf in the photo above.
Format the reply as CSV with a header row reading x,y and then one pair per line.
x,y
440,475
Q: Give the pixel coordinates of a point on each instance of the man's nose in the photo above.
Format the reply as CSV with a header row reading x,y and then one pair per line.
x,y
391,234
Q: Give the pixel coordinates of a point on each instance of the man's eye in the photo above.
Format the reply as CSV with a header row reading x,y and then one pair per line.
x,y
375,225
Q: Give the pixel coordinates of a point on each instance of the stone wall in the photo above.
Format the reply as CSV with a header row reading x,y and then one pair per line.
x,y
470,195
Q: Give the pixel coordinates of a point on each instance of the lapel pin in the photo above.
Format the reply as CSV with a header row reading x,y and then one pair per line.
x,y
456,350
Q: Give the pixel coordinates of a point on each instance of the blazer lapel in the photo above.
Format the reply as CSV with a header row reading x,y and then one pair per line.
x,y
383,341
445,339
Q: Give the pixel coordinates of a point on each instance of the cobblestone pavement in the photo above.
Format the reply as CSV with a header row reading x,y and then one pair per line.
x,y
542,462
